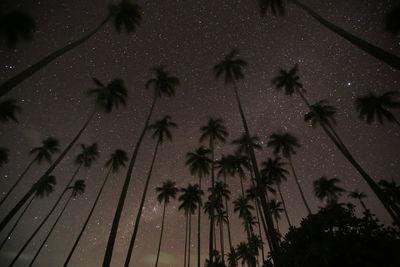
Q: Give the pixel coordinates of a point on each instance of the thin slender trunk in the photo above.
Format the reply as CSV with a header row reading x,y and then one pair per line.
x,y
189,235
31,191
383,55
212,236
46,218
284,205
161,234
139,214
259,229
186,240
228,221
298,185
87,220
18,180
8,85
50,231
118,212
16,222
241,186
221,238
198,228
363,205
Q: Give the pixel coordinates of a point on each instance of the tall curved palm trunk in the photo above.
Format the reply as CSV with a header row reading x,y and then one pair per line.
x,y
199,229
45,218
139,214
212,219
221,240
8,85
284,205
51,230
32,191
121,201
228,227
161,234
385,56
189,238
87,219
186,240
298,185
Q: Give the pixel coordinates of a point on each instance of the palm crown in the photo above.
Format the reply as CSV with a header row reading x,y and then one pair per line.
x,y
190,198
214,130
16,26
242,206
243,143
321,112
273,171
161,131
109,96
45,186
276,208
166,191
277,7
163,84
117,159
78,188
199,161
283,143
288,81
88,155
9,110
231,67
357,195
325,188
49,146
126,15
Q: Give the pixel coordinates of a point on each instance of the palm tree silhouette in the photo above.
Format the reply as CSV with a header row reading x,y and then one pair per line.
x,y
277,7
161,133
200,165
16,26
232,258
221,192
359,196
277,209
117,160
163,84
77,189
285,144
391,190
115,93
43,189
166,192
246,254
377,107
190,199
44,152
232,69
243,208
221,218
85,159
243,144
274,171
325,188
9,110
126,14
3,156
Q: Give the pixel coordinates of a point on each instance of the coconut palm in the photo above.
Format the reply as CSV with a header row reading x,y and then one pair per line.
x,y
327,189
391,190
16,26
77,189
190,199
84,159
44,152
9,110
3,156
166,192
231,68
286,144
161,132
43,189
278,7
221,218
277,209
243,208
243,144
125,15
116,94
232,258
246,253
274,171
359,196
117,160
163,85
373,107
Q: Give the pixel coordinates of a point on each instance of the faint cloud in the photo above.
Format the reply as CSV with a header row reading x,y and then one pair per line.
x,y
165,258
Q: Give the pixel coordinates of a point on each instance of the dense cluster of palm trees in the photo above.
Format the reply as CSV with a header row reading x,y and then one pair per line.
x,y
261,202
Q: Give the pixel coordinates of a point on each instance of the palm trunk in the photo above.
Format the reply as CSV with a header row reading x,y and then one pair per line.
x,y
275,249
363,205
284,205
189,235
298,185
259,229
186,240
277,224
30,193
212,236
50,231
18,180
385,56
8,85
221,238
87,220
161,234
121,201
228,221
139,214
198,229
16,223
241,186
45,219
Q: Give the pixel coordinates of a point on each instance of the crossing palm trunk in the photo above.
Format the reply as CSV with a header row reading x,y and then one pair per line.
x,y
284,205
298,185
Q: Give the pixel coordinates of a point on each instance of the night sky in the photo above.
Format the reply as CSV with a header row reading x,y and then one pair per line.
x,y
190,37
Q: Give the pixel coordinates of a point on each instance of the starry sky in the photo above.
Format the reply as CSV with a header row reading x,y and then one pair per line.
x,y
189,37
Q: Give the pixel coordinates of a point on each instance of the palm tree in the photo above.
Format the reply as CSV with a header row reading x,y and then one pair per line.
x,y
278,7
274,171
242,206
166,192
190,199
232,258
115,93
219,193
3,156
163,84
200,164
359,196
44,189
44,152
221,218
391,190
277,209
285,144
77,189
232,69
117,160
9,110
125,15
246,254
243,144
88,155
239,163
161,133
325,188
16,26
377,107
